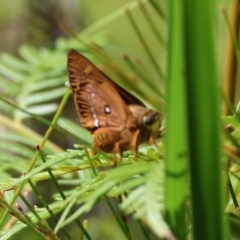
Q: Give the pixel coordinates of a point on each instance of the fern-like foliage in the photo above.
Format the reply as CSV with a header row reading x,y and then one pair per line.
x,y
145,201
37,79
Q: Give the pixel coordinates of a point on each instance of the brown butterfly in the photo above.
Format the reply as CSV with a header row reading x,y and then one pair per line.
x,y
117,120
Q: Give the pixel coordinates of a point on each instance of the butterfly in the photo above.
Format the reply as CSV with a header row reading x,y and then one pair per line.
x,y
117,120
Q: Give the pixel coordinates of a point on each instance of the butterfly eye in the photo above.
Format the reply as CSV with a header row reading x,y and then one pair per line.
x,y
147,120
107,109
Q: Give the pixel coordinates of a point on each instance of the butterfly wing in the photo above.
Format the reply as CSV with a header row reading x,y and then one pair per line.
x,y
97,101
128,98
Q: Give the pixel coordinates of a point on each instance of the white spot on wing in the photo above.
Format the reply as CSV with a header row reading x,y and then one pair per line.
x,y
107,109
83,75
94,115
96,123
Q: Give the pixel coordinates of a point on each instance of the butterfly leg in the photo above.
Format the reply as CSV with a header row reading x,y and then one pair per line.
x,y
135,143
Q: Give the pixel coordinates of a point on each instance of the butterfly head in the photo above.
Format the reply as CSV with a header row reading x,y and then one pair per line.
x,y
152,120
149,121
